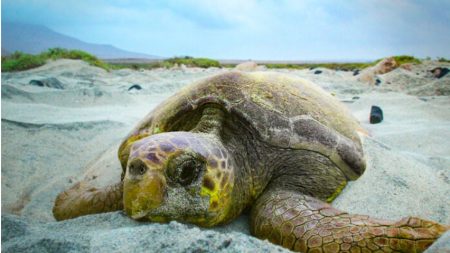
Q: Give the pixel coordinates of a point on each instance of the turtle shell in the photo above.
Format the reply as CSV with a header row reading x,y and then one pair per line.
x,y
284,111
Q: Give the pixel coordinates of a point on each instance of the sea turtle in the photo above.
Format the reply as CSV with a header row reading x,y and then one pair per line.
x,y
275,144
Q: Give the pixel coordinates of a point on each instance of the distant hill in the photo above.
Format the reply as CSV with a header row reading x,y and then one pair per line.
x,y
34,39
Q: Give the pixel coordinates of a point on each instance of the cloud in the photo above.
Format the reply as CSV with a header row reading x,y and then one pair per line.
x,y
258,29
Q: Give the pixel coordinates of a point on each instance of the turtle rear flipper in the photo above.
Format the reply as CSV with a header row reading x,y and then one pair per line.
x,y
82,199
303,223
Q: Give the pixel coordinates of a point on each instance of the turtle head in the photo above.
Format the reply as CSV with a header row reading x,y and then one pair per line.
x,y
180,176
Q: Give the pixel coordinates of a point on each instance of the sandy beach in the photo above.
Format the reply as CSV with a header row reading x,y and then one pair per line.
x,y
55,136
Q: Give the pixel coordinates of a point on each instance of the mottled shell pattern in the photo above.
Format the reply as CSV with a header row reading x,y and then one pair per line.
x,y
279,108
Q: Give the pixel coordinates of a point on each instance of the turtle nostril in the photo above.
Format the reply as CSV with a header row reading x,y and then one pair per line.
x,y
137,168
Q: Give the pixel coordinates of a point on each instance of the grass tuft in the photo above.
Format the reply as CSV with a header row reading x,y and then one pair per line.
x,y
170,63
333,66
194,62
402,59
21,61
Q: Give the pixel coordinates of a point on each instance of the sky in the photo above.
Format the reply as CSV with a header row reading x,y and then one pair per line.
x,y
249,29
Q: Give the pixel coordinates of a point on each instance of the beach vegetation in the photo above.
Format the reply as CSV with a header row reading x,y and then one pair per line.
x,y
62,53
193,62
334,66
402,59
187,61
21,61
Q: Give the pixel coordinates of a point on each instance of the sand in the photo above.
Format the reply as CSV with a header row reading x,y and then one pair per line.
x,y
54,137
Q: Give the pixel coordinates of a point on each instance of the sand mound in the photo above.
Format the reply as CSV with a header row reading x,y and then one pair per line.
x,y
413,79
417,81
369,75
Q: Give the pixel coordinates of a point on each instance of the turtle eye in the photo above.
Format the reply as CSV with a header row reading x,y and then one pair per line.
x,y
137,168
187,173
185,170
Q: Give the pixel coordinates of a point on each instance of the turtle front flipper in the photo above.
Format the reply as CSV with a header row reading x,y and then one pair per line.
x,y
82,199
303,223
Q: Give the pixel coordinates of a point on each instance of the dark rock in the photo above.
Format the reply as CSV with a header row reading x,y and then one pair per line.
x,y
355,97
439,72
48,82
317,72
376,115
356,72
36,83
377,82
135,87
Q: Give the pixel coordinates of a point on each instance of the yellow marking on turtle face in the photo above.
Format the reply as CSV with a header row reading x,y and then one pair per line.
x,y
218,194
214,192
144,195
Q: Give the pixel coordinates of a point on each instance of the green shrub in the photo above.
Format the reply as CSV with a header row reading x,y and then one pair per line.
x,y
61,53
334,66
205,63
402,59
193,62
442,59
169,63
20,61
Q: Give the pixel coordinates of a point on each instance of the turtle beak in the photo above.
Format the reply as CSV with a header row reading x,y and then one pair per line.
x,y
143,195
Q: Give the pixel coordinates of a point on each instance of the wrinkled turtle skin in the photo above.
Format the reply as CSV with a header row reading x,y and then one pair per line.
x,y
276,145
